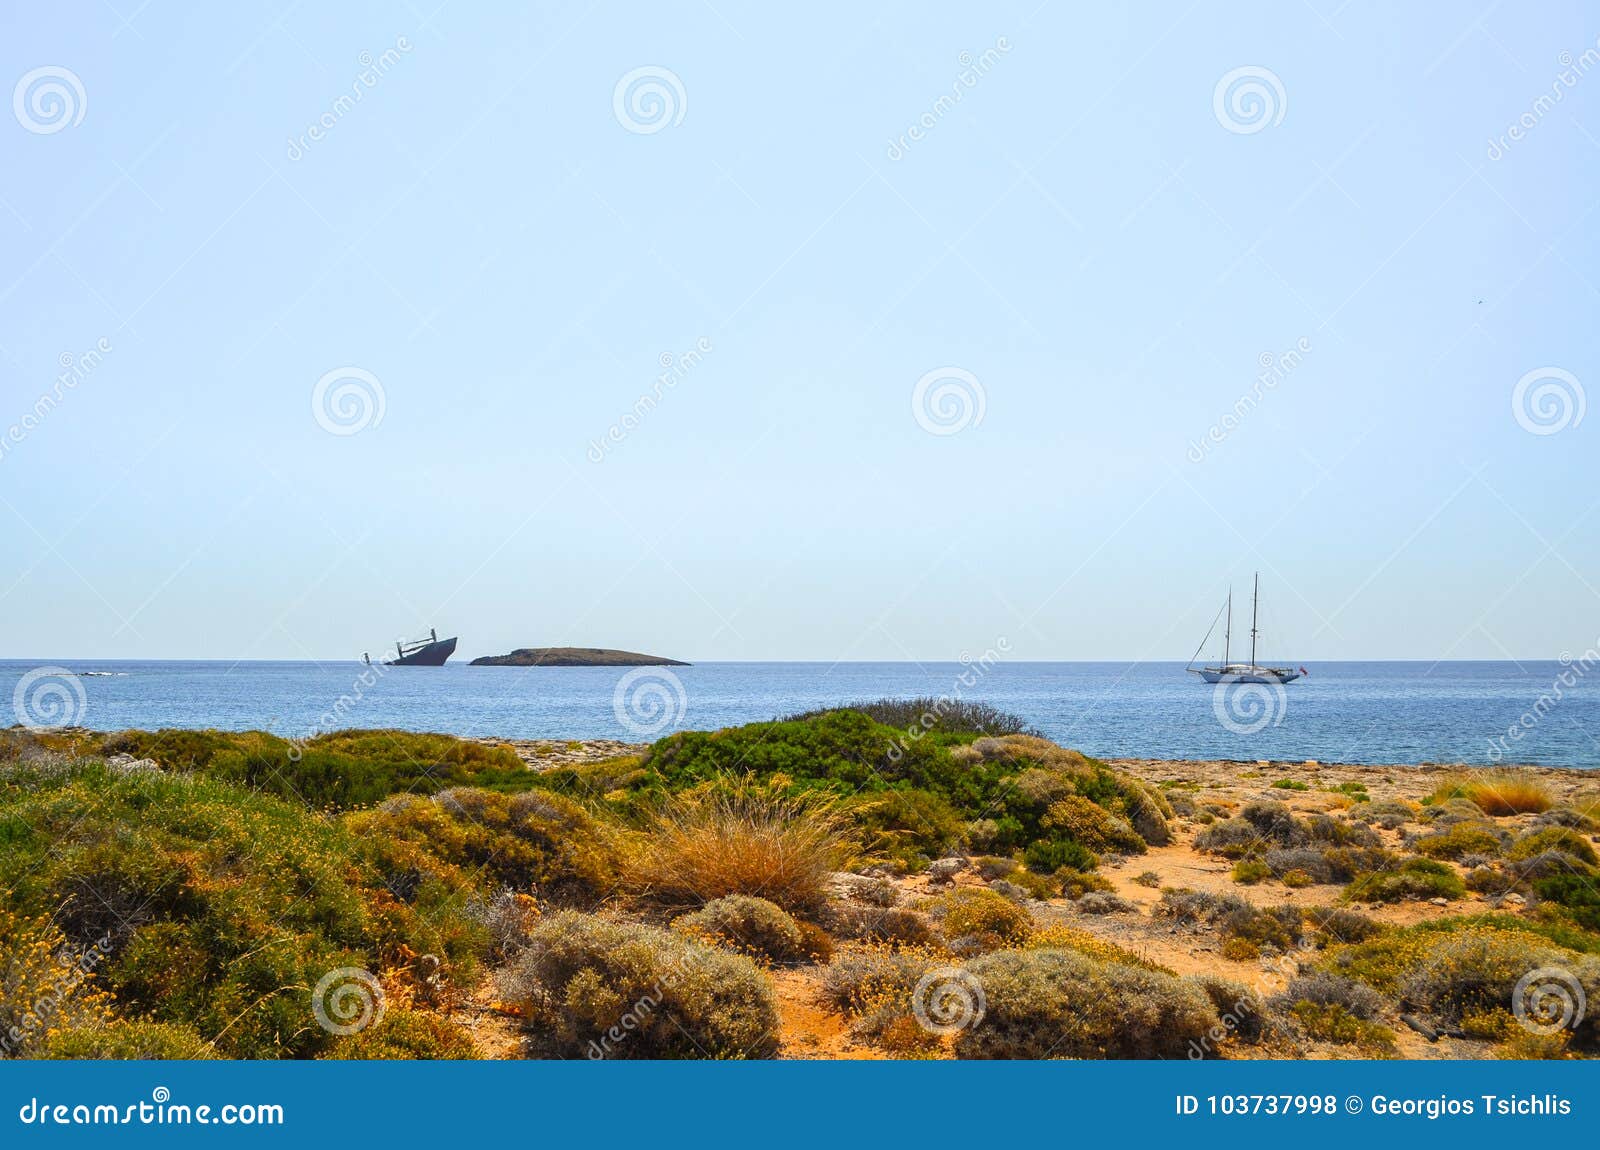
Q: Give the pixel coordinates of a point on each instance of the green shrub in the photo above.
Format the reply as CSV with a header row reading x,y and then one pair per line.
x,y
222,907
1147,809
1323,988
889,925
875,988
599,989
1250,871
1034,885
1096,828
1240,1009
1274,822
1075,884
1320,828
1232,838
1062,1004
1563,839
341,770
1331,1022
406,1035
128,1042
986,918
928,715
905,823
1291,785
1576,894
534,842
1414,879
1047,856
1391,814
753,925
1465,975
1471,837
1334,924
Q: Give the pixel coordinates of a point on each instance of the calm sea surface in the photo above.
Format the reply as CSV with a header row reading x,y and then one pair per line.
x,y
1342,712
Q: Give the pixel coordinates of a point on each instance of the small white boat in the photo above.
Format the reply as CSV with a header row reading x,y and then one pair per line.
x,y
1231,672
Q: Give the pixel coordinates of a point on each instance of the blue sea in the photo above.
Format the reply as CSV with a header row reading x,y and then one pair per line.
x,y
1388,712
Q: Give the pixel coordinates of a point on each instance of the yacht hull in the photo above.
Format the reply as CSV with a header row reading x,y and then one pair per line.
x,y
1257,675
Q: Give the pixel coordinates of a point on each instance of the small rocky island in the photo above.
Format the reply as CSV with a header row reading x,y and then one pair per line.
x,y
574,657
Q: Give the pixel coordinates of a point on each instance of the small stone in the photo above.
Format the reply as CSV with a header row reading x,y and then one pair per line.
x,y
945,870
1515,899
1439,901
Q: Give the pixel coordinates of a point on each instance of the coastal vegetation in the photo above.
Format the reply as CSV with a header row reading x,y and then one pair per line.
x,y
937,880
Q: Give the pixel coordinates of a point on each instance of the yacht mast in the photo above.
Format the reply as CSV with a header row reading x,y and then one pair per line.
x,y
1227,631
1255,599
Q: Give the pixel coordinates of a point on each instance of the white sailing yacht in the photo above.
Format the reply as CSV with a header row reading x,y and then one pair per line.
x,y
1251,672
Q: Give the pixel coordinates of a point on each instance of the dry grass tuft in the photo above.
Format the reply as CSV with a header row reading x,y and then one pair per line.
x,y
742,839
1497,793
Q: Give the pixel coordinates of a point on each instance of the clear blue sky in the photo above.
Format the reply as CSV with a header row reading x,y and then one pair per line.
x,y
1080,232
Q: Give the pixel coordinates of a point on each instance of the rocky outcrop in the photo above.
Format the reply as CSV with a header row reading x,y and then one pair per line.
x,y
573,657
